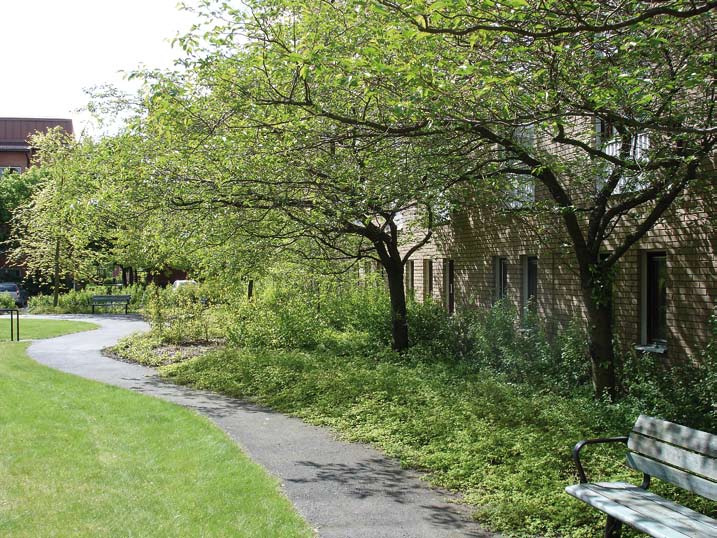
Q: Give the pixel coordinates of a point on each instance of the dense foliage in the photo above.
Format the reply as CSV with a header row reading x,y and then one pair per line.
x,y
345,131
338,133
6,300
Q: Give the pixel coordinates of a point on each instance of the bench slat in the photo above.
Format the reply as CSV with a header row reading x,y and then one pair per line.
x,y
111,298
691,439
691,462
690,482
644,510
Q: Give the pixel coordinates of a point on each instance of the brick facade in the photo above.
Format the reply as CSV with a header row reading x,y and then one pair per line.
x,y
687,234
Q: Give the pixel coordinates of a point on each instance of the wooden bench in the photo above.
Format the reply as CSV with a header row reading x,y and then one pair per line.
x,y
111,300
676,454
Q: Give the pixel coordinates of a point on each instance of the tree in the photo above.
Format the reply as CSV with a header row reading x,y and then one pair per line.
x,y
324,122
479,75
644,73
287,182
221,140
15,190
60,230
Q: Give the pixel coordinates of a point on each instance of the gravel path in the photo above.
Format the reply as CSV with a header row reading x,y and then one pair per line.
x,y
344,490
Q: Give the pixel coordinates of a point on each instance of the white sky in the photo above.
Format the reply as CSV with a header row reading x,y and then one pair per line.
x,y
50,50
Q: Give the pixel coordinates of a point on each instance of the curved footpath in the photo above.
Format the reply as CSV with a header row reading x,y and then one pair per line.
x,y
344,490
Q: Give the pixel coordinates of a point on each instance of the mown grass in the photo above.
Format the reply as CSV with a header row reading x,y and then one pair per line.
x,y
33,329
507,449
82,459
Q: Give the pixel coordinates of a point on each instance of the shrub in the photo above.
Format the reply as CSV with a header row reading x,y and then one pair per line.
x,y
298,311
80,301
522,351
684,392
6,300
295,310
364,308
431,328
182,315
263,324
72,302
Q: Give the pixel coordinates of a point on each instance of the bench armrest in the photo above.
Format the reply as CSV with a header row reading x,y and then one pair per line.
x,y
579,446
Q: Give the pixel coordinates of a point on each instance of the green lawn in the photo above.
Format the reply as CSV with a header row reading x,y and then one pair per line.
x,y
79,458
32,329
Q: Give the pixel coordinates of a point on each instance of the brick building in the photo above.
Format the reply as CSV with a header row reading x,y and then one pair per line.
x,y
663,293
16,155
15,151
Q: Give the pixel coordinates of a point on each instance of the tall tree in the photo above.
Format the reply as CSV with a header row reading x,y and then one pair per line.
x,y
305,185
622,97
61,230
481,74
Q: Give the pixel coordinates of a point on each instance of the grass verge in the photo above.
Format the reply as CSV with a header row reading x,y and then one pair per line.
x,y
507,449
80,459
33,329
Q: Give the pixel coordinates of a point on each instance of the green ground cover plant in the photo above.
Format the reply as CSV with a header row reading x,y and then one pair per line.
x,y
487,405
505,447
87,460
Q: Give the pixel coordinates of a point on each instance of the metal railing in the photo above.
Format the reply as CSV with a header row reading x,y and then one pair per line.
x,y
14,322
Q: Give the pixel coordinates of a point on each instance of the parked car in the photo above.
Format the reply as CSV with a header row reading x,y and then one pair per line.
x,y
18,295
181,283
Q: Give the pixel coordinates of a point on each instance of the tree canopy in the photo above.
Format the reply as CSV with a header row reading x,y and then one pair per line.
x,y
347,130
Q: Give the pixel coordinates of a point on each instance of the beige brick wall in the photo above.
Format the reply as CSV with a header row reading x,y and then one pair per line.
x,y
688,235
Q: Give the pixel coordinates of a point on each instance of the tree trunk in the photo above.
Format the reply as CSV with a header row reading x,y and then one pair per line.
x,y
56,275
399,322
600,335
250,290
124,276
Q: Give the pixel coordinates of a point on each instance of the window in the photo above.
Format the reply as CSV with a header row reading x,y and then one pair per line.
x,y
607,139
427,279
521,186
442,209
530,282
500,272
408,277
522,191
9,169
654,300
449,297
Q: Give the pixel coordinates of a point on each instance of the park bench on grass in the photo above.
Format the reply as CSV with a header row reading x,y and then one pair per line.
x,y
110,300
676,454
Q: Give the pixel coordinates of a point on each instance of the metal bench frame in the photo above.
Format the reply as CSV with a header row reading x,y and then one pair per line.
x,y
111,300
673,453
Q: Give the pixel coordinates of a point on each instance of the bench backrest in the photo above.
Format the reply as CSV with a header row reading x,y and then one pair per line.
x,y
111,298
675,454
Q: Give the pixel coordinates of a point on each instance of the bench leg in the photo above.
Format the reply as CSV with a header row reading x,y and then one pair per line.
x,y
613,528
